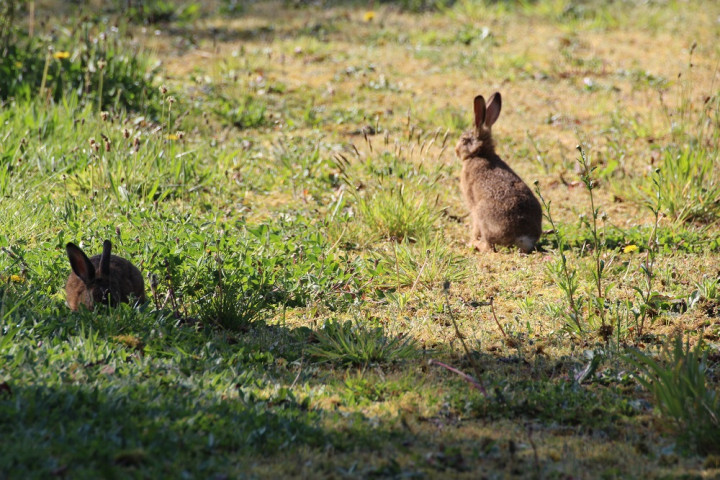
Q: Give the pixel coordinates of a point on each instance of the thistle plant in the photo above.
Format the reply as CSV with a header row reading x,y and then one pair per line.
x,y
562,272
645,292
598,299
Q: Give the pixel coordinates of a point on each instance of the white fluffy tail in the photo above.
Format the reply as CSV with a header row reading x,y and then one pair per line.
x,y
525,242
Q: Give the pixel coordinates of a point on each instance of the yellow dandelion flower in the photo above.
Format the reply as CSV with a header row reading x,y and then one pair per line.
x,y
369,15
18,65
630,248
171,136
129,340
61,55
16,279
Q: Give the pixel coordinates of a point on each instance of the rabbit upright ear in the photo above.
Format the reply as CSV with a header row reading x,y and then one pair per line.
x,y
493,109
105,258
479,105
80,263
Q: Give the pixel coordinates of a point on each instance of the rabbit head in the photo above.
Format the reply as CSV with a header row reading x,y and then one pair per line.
x,y
479,141
103,279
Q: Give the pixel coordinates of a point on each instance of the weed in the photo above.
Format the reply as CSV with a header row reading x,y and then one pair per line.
x,y
563,273
243,191
392,214
353,343
599,299
98,66
250,113
709,288
682,394
689,187
646,293
426,263
237,300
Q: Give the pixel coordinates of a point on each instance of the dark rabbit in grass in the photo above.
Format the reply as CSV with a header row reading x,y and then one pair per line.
x,y
503,210
106,279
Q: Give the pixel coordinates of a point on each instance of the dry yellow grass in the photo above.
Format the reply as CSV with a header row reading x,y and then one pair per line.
x,y
584,82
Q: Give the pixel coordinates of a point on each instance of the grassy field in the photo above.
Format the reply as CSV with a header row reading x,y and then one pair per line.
x,y
284,176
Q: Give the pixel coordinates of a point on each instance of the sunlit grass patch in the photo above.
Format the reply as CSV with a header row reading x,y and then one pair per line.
x,y
394,195
689,185
352,342
106,155
427,263
250,112
88,59
393,214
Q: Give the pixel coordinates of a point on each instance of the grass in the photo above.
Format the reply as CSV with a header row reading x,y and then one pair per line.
x,y
390,215
689,190
682,395
348,343
284,178
427,264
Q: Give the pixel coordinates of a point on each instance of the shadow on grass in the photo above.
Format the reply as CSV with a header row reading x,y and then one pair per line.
x,y
91,429
132,392
86,431
169,428
318,22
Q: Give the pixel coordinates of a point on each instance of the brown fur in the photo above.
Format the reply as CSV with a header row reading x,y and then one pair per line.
x,y
105,278
503,209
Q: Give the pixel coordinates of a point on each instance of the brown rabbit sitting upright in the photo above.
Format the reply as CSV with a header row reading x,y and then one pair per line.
x,y
106,279
503,210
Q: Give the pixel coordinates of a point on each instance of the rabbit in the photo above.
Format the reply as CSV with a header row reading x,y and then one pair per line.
x,y
106,279
503,209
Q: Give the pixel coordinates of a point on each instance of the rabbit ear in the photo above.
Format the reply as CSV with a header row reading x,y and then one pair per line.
x,y
479,105
493,109
105,258
80,263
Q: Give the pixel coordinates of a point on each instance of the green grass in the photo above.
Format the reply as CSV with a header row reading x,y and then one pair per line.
x,y
689,189
87,59
683,396
284,177
427,264
391,214
348,343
